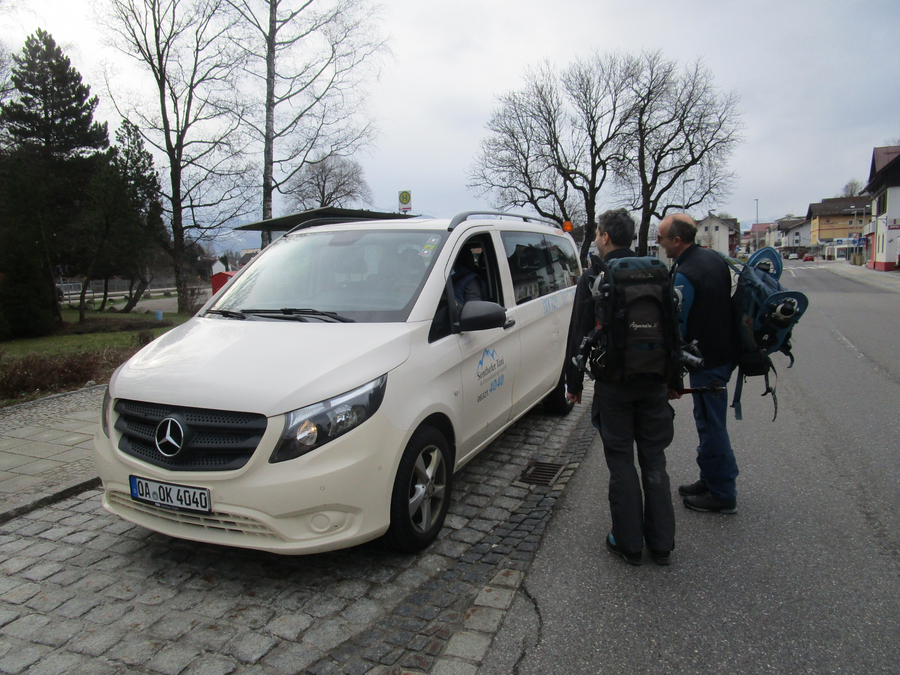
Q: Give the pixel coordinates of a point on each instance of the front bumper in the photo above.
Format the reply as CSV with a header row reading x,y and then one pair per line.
x,y
334,497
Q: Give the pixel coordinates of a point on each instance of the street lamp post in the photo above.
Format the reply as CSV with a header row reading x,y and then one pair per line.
x,y
756,227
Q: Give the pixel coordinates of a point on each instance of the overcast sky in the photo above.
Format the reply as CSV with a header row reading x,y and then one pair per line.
x,y
816,85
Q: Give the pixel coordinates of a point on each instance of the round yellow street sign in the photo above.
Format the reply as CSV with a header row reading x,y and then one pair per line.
x,y
405,197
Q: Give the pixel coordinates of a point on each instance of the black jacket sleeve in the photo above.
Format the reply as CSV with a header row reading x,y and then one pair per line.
x,y
582,322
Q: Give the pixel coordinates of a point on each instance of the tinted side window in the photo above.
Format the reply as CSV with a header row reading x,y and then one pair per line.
x,y
564,261
539,264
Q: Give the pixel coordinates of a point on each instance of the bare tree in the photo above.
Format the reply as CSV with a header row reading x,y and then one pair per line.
x,y
661,131
6,83
330,181
681,133
554,142
314,65
6,62
851,189
194,117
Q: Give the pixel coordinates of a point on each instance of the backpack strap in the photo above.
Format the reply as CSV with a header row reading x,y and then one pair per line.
x,y
738,389
736,400
786,350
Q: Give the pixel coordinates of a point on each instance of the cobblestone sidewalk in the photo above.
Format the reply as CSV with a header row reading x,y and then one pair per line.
x,y
83,591
45,449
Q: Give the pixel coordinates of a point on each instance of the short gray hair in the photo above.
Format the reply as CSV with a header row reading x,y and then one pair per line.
x,y
684,228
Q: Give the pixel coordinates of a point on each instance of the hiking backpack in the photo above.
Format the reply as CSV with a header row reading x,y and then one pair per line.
x,y
636,337
765,313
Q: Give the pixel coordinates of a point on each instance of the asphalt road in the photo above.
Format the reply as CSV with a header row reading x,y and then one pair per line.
x,y
804,579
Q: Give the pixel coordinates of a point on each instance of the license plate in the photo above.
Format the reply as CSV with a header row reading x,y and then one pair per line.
x,y
169,496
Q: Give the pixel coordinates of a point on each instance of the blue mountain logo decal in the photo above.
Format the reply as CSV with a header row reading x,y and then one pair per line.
x,y
490,363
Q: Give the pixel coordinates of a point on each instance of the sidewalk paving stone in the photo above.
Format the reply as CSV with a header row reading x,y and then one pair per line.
x,y
396,614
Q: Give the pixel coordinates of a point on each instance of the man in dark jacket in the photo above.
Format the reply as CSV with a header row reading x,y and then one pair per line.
x,y
705,283
626,414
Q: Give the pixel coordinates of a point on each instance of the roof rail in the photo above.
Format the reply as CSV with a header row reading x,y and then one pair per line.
x,y
462,217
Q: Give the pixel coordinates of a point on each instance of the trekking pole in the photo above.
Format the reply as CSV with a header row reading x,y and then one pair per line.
x,y
712,388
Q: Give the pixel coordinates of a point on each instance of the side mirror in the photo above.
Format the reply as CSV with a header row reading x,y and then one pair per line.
x,y
481,315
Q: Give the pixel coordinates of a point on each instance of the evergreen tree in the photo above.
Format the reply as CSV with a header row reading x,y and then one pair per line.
x,y
53,110
122,229
50,153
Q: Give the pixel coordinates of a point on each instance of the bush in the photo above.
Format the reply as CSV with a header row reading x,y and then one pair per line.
x,y
26,307
142,338
41,374
196,296
113,325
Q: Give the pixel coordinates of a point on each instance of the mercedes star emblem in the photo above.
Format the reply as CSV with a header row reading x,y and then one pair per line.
x,y
169,437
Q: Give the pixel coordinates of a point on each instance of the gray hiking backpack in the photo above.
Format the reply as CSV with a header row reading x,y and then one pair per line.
x,y
636,337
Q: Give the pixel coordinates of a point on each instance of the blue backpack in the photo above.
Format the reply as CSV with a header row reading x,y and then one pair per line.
x,y
766,313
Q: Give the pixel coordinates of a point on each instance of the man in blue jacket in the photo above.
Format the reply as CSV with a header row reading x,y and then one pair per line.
x,y
704,280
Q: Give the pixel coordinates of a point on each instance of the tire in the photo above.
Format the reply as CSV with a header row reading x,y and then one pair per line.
x,y
421,495
556,402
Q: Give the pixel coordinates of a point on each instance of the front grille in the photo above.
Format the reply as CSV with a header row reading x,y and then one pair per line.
x,y
215,521
213,440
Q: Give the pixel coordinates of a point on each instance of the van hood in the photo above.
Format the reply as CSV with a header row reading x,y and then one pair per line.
x,y
267,367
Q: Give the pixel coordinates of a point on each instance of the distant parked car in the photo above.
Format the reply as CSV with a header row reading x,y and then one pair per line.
x,y
809,257
793,256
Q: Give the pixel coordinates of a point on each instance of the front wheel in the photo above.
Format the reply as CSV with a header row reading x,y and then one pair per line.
x,y
556,402
421,494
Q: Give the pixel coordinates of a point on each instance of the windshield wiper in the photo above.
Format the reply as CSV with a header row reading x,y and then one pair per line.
x,y
231,314
298,313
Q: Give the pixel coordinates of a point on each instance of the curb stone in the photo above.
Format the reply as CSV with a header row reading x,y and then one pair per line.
x,y
61,482
64,492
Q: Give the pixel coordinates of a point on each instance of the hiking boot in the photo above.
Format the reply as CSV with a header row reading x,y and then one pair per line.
x,y
706,502
631,558
697,488
661,557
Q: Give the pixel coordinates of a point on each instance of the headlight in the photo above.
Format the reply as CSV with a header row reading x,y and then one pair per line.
x,y
104,415
315,425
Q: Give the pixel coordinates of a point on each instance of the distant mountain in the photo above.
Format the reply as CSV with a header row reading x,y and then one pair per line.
x,y
236,241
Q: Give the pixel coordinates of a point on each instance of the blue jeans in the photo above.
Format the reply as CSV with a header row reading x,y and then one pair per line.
x,y
715,457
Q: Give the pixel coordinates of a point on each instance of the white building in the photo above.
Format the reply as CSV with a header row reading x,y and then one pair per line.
x,y
720,234
883,232
793,235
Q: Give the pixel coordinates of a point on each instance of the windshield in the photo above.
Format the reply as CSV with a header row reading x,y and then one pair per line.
x,y
364,276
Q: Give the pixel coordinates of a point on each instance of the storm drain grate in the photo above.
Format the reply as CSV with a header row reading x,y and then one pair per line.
x,y
541,473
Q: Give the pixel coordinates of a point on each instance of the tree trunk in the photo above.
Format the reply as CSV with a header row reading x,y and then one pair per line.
x,y
81,303
644,229
590,231
135,297
105,294
177,249
56,305
269,140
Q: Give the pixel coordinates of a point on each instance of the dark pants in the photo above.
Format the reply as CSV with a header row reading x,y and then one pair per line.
x,y
715,456
629,415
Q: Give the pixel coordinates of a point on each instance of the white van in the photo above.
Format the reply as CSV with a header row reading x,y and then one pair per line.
x,y
327,394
